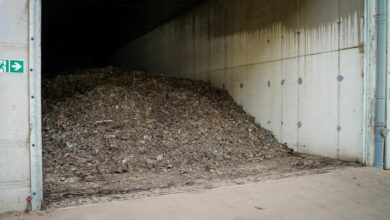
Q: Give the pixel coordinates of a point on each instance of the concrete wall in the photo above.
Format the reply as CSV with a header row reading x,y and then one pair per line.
x,y
296,65
14,108
387,150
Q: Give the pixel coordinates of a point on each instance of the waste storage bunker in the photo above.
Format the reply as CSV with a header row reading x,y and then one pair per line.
x,y
305,70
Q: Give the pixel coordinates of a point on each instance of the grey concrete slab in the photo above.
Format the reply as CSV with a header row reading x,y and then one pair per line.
x,y
249,47
351,193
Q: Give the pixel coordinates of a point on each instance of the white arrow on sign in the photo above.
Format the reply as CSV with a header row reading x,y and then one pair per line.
x,y
16,66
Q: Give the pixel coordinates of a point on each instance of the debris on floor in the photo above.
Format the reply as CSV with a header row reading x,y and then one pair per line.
x,y
122,128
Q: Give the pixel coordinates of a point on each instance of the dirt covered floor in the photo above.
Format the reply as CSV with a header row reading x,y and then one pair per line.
x,y
111,133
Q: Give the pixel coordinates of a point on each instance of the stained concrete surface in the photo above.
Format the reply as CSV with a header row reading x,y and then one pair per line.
x,y
350,193
278,59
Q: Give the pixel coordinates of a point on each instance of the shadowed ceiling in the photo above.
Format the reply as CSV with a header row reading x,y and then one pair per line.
x,y
85,33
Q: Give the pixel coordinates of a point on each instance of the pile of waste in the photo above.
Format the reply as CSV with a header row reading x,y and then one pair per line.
x,y
107,121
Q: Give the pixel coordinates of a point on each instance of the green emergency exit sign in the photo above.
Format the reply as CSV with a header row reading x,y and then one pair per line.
x,y
11,66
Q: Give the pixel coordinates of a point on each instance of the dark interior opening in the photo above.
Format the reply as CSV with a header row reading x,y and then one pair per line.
x,y
110,132
86,33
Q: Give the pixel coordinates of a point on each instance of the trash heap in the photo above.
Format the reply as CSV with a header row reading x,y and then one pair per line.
x,y
110,120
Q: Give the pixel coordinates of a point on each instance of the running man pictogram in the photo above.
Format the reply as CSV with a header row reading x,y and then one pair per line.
x,y
3,66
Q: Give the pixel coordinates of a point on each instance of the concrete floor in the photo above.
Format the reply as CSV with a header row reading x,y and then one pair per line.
x,y
351,193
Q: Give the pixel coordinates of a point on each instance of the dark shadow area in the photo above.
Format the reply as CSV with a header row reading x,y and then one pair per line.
x,y
86,33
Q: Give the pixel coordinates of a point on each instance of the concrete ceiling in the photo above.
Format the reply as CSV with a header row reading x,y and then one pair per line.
x,y
80,33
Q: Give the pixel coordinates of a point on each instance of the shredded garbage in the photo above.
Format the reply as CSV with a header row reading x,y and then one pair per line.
x,y
113,122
